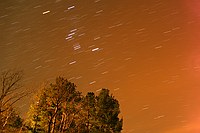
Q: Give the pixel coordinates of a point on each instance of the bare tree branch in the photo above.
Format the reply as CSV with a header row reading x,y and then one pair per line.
x,y
10,89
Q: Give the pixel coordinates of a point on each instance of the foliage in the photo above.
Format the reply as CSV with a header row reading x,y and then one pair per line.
x,y
56,108
102,113
11,121
59,107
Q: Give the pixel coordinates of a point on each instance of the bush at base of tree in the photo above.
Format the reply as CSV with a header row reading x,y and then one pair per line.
x,y
12,122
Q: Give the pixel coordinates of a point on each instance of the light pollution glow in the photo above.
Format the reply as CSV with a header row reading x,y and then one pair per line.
x,y
146,52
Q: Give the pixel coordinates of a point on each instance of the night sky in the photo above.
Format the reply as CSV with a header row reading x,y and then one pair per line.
x,y
146,52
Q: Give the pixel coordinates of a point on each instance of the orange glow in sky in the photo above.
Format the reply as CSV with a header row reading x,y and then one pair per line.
x,y
146,52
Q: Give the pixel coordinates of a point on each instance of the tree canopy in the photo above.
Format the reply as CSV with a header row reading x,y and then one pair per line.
x,y
60,107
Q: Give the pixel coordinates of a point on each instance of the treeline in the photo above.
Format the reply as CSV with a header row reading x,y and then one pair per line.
x,y
58,108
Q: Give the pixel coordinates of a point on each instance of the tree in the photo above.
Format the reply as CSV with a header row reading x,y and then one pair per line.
x,y
90,111
108,113
10,93
56,108
59,107
102,113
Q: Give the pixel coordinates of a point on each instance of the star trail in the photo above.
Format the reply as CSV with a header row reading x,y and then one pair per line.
x,y
146,52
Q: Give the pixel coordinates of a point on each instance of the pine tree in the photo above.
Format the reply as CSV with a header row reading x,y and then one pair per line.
x,y
108,113
60,108
102,113
56,108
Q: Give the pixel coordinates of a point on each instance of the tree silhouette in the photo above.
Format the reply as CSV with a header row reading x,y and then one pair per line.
x,y
59,107
10,93
56,107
